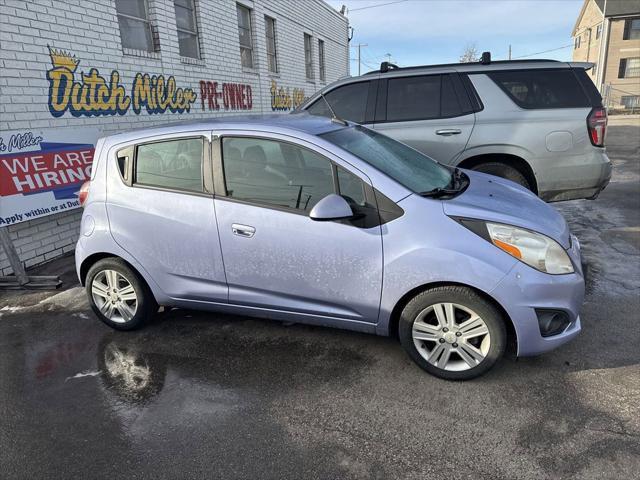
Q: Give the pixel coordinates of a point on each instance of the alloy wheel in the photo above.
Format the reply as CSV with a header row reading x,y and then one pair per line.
x,y
451,336
114,296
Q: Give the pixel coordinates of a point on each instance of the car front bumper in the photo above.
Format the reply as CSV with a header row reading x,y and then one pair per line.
x,y
525,290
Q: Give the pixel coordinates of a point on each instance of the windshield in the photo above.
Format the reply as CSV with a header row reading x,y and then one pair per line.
x,y
407,166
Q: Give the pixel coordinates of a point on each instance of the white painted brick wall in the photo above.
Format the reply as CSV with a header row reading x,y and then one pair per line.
x,y
89,29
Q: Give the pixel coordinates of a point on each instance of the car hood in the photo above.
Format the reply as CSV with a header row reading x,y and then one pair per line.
x,y
502,201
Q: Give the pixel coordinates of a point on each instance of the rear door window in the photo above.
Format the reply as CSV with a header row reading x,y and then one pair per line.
x,y
173,164
540,89
349,102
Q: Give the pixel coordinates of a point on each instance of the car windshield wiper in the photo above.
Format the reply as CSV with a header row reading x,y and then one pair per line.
x,y
440,192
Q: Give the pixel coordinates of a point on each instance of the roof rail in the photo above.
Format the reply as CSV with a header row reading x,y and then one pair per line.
x,y
387,67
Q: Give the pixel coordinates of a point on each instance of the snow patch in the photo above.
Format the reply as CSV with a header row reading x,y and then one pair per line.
x,y
84,374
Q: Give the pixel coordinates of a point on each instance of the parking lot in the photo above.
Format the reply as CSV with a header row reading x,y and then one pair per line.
x,y
198,395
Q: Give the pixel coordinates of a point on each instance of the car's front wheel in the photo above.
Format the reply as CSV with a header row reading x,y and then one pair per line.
x,y
118,296
452,332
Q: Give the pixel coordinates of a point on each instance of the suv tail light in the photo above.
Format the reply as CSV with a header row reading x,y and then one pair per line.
x,y
597,126
84,193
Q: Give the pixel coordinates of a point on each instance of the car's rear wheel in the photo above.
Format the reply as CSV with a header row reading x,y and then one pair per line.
x,y
118,296
452,332
503,170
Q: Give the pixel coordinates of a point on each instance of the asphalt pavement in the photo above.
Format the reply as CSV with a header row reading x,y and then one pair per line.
x,y
200,395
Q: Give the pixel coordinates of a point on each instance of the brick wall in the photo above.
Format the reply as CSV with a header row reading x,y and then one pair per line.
x,y
89,30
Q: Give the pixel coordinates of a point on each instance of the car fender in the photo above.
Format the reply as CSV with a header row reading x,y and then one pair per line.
x,y
451,254
495,149
103,244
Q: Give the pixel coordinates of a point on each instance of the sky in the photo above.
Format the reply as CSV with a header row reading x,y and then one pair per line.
x,y
418,32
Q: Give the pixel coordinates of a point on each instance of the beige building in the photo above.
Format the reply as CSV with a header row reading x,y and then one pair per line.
x,y
607,33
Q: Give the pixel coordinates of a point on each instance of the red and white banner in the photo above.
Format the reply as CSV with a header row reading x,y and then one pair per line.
x,y
41,171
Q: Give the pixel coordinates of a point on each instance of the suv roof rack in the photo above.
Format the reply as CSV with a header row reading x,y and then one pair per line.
x,y
484,60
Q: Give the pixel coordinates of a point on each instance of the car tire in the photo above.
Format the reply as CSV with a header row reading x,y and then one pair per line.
x,y
118,296
455,349
503,170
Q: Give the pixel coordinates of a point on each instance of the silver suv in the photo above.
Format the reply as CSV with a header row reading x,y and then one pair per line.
x,y
539,123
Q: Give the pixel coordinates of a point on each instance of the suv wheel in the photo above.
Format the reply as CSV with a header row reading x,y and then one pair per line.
x,y
452,332
503,170
118,296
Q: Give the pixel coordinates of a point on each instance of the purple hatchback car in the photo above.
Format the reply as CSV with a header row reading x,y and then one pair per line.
x,y
305,219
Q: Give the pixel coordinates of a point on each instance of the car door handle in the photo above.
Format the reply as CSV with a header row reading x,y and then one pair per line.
x,y
447,132
243,230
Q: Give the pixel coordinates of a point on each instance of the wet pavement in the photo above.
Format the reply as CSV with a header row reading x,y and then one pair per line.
x,y
199,395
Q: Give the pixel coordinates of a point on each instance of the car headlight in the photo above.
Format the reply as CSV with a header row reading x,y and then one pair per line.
x,y
534,249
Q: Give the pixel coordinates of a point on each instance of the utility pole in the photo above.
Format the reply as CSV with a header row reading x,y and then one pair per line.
x,y
509,51
359,46
388,55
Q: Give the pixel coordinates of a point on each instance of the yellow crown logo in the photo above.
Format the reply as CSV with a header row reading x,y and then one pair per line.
x,y
62,59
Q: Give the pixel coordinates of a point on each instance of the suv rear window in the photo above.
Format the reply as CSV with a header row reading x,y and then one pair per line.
x,y
349,102
538,89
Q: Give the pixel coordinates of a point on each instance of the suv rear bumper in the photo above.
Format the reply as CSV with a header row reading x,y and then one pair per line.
x,y
585,180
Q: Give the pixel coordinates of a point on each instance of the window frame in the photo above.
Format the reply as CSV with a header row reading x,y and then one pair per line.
x,y
147,21
128,177
308,59
624,62
273,40
251,48
635,99
322,64
220,178
629,31
195,33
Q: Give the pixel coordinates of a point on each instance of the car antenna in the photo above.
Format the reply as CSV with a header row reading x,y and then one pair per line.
x,y
334,117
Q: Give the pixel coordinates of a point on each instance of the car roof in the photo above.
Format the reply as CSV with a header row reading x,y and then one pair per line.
x,y
479,67
294,123
469,68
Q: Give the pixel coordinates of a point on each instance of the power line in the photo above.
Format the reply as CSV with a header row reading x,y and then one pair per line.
x,y
544,51
376,6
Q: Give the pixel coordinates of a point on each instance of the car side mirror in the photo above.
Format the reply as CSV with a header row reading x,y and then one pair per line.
x,y
331,207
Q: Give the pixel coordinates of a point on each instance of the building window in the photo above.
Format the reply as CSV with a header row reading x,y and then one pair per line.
x,y
187,28
135,28
598,31
270,32
308,57
630,101
576,42
244,33
629,68
631,29
321,62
